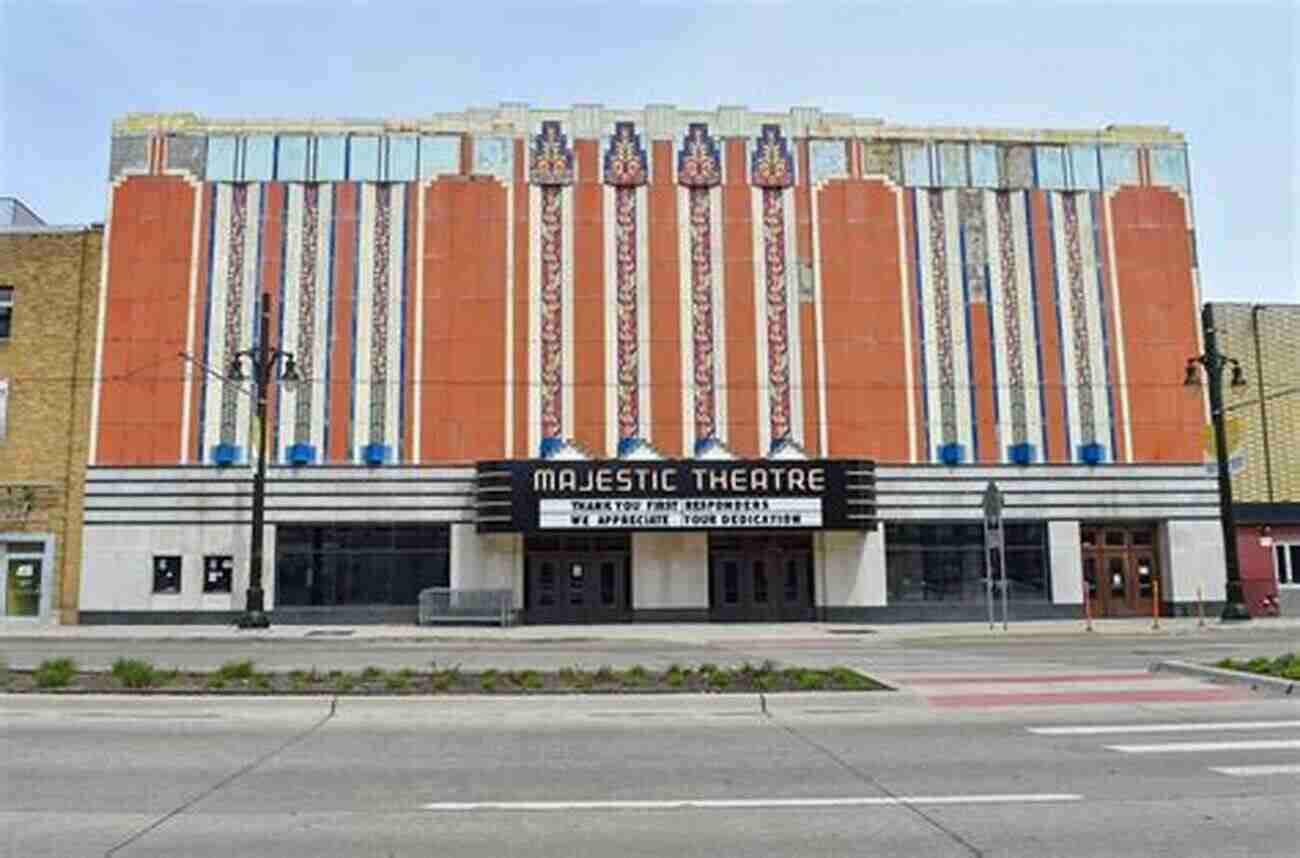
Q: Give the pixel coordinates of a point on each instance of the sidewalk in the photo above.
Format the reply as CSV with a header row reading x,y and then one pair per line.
x,y
679,633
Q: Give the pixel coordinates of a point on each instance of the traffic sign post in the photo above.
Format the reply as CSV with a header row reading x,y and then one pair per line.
x,y
993,541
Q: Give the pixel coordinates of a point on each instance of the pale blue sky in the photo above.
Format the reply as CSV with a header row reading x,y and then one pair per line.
x,y
1224,74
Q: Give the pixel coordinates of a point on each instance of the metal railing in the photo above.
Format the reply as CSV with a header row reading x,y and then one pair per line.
x,y
446,605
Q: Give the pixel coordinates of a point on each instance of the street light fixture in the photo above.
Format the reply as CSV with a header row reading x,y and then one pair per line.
x,y
1214,363
262,363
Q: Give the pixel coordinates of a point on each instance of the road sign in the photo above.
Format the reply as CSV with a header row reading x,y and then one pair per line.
x,y
992,502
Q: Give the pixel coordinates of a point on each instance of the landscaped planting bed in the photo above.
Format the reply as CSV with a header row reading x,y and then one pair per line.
x,y
1284,666
242,677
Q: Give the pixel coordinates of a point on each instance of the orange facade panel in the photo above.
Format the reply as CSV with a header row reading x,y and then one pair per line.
x,y
864,342
147,293
590,392
463,373
741,323
339,433
1158,305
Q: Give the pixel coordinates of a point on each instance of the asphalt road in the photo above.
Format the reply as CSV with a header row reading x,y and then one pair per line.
x,y
825,775
882,652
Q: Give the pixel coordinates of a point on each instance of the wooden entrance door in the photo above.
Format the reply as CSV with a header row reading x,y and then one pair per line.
x,y
1120,569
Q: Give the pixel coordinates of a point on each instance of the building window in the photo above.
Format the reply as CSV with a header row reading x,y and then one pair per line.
x,y
360,564
946,563
6,310
218,572
1286,557
167,573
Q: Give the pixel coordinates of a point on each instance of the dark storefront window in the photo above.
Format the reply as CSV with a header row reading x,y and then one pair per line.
x,y
945,563
360,564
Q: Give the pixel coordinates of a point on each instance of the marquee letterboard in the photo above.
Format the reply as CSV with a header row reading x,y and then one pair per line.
x,y
536,495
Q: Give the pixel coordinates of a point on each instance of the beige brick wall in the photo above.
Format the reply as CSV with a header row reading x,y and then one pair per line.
x,y
48,361
1279,354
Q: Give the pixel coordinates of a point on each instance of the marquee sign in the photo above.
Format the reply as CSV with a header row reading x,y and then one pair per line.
x,y
528,495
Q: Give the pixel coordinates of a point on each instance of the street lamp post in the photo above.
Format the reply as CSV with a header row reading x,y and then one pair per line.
x,y
1214,363
262,363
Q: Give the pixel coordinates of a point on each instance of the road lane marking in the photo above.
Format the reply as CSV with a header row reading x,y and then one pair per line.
x,y
743,803
1207,747
1207,727
1256,771
1166,695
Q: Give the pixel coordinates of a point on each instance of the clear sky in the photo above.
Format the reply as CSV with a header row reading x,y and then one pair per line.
x,y
1225,74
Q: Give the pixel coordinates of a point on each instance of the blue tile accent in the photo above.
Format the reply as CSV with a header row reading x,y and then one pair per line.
x,y
363,158
1049,167
1092,453
224,455
300,454
402,157
627,445
704,445
550,446
952,454
331,158
259,158
1021,454
221,158
376,454
984,165
291,158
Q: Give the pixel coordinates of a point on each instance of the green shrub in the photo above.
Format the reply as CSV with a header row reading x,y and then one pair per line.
x,y
675,677
234,671
372,674
300,680
1258,665
529,680
488,680
605,673
215,682
1226,664
849,679
4,673
344,683
720,679
135,673
707,668
636,675
54,673
262,681
399,681
811,680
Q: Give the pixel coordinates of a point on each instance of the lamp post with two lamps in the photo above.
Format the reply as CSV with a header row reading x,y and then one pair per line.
x,y
1214,362
263,361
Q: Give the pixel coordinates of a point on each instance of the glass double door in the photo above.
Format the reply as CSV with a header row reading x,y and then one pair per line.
x,y
22,585
773,585
1120,570
577,587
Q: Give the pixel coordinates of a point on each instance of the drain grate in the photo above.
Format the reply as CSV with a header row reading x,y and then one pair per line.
x,y
330,633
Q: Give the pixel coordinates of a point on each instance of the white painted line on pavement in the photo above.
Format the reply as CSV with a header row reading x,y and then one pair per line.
x,y
1207,727
1256,771
743,803
1207,747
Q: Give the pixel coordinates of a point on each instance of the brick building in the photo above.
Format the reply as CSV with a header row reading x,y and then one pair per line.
x,y
650,364
1264,434
49,285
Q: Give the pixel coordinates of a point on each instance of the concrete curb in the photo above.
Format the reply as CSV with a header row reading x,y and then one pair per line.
x,y
1272,684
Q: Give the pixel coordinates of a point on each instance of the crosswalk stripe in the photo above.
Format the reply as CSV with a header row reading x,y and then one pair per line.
x,y
1256,771
1206,727
1207,747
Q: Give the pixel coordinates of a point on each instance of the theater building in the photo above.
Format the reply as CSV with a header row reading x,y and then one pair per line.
x,y
649,364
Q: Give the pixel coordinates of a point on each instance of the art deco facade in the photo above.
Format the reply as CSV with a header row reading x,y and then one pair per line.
x,y
954,304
